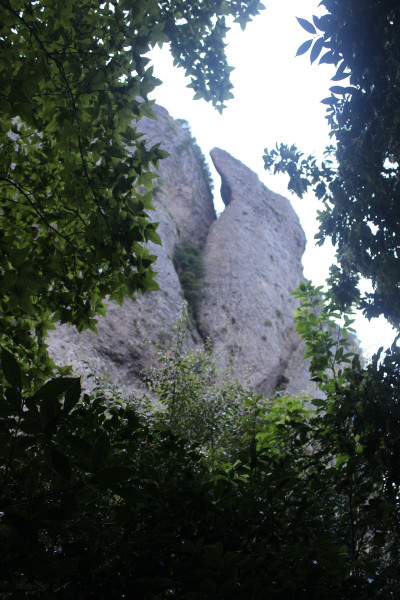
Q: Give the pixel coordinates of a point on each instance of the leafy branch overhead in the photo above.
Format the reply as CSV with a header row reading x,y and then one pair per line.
x,y
358,180
76,175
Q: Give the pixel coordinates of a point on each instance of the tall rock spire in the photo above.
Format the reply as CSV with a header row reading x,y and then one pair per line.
x,y
253,263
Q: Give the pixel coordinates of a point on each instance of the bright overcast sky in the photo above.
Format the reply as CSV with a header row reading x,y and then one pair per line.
x,y
277,99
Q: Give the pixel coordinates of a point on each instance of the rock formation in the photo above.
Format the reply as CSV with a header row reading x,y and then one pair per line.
x,y
253,263
252,258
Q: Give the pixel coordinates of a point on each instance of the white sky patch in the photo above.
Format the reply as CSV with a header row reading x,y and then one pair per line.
x,y
277,99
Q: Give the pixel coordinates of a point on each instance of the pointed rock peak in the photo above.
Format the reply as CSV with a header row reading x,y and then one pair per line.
x,y
233,173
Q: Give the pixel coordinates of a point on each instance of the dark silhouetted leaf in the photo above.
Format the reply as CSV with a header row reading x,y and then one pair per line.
x,y
304,47
341,91
72,396
331,100
101,449
60,463
327,58
340,73
316,49
11,369
54,388
309,27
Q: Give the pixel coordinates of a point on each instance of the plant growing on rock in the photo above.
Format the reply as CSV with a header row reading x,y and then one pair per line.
x,y
189,265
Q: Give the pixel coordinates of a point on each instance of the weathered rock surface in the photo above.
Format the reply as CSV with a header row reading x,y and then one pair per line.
x,y
184,210
252,257
253,263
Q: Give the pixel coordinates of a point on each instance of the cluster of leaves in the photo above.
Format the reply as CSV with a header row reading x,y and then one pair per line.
x,y
358,181
191,502
198,401
331,346
76,177
189,265
83,484
196,31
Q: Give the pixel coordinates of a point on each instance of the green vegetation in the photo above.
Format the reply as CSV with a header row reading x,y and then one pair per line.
x,y
189,265
219,493
74,80
191,142
358,178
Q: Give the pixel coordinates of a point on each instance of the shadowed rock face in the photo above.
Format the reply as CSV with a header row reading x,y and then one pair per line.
x,y
252,257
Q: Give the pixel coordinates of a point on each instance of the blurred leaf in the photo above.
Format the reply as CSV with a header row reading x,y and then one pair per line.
x,y
304,47
309,27
72,396
316,49
11,369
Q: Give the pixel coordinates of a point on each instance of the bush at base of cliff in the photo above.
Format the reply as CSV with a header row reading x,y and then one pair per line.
x,y
97,500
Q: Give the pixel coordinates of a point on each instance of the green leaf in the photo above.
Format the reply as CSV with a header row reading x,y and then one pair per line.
x,y
100,452
11,369
152,235
72,396
60,463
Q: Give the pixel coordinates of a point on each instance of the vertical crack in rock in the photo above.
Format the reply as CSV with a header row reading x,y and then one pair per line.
x,y
252,257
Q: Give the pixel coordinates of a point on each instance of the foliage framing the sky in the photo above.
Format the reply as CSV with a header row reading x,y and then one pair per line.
x,y
358,180
75,175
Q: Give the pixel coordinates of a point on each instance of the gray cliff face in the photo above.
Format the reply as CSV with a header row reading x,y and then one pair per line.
x,y
253,263
252,256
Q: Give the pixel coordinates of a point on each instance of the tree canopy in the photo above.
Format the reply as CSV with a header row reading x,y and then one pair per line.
x,y
358,178
76,175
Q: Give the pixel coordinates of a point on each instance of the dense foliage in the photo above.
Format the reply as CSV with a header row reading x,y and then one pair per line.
x,y
358,179
217,493
75,175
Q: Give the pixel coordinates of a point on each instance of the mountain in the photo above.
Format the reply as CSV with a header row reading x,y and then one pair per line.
x,y
237,272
